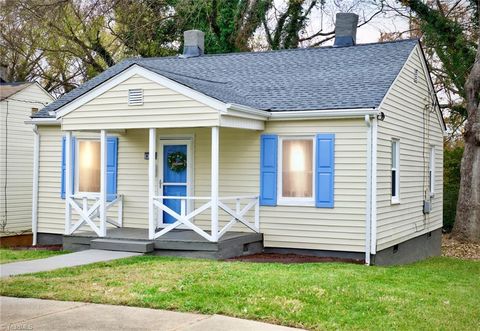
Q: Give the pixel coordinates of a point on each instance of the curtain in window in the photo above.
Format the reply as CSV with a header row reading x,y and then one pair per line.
x,y
89,166
297,169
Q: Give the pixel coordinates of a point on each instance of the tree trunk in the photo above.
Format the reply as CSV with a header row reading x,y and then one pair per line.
x,y
467,220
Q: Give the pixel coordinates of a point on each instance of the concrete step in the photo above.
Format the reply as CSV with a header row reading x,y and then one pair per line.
x,y
139,246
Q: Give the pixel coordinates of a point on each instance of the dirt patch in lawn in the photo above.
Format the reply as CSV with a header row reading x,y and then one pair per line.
x,y
290,258
454,248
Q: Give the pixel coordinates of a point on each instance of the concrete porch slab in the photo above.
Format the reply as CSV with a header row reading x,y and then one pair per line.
x,y
186,243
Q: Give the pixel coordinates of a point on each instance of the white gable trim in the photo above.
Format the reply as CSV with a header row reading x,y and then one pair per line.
x,y
148,74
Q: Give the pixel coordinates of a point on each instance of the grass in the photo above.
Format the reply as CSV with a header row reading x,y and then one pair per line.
x,y
12,255
437,294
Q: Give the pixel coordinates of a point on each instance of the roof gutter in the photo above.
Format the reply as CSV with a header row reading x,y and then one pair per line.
x,y
43,121
324,113
302,114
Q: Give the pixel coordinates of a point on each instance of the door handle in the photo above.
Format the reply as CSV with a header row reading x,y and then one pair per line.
x,y
159,183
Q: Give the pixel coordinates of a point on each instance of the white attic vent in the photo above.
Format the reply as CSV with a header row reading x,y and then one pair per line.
x,y
135,97
415,76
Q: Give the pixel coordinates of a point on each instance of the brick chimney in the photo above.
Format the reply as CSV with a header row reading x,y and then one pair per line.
x,y
193,43
345,29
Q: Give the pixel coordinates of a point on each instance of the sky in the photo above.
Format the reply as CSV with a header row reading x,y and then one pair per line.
x,y
386,22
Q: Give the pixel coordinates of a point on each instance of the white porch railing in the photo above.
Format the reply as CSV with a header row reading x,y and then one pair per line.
x,y
237,215
87,206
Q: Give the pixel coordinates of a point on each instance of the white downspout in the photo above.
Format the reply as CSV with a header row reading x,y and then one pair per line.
x,y
36,164
368,205
373,244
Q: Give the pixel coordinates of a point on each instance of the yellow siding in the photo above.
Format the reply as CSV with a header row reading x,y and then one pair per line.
x,y
16,165
162,107
341,228
51,208
404,109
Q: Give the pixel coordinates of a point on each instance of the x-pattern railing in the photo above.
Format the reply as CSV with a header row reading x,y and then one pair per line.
x,y
182,218
87,206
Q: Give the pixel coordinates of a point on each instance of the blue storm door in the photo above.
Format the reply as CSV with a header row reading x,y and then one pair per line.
x,y
175,177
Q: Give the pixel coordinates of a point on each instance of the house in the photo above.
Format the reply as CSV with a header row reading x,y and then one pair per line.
x,y
331,151
18,101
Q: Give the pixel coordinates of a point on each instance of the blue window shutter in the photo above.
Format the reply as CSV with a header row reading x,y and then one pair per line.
x,y
268,169
62,192
112,167
325,169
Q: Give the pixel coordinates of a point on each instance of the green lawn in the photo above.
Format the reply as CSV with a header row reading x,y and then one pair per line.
x,y
437,294
12,255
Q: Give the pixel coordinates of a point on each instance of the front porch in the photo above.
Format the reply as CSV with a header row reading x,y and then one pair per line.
x,y
185,243
210,211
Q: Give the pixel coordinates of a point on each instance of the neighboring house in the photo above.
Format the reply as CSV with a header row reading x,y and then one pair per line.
x,y
333,151
18,101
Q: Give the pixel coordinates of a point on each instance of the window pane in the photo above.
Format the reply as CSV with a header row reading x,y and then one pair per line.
x,y
430,182
89,166
297,169
394,182
394,154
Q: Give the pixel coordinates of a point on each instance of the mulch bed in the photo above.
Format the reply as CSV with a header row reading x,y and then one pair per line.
x,y
38,248
290,258
453,248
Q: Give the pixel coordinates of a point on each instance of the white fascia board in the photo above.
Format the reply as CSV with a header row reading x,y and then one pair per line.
x,y
43,121
327,113
248,110
146,73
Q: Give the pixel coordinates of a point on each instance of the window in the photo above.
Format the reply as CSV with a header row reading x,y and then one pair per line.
x,y
296,171
88,166
395,171
431,172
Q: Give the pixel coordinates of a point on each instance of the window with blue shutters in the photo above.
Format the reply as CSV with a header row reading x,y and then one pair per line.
x,y
86,166
297,170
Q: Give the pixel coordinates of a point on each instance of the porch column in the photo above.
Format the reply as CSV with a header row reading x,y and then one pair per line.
x,y
151,181
68,180
214,183
103,183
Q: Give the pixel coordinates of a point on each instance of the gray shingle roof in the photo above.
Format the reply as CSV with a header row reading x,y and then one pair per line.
x,y
300,79
9,89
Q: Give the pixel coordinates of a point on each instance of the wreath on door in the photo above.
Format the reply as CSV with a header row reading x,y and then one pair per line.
x,y
177,161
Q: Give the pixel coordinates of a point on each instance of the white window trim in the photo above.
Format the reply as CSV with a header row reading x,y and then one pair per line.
x,y
287,201
77,168
396,198
432,170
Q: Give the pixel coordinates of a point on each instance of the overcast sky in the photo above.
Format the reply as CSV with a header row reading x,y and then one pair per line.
x,y
386,22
